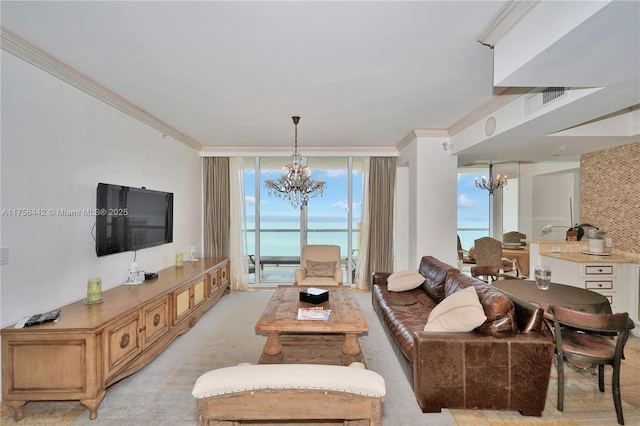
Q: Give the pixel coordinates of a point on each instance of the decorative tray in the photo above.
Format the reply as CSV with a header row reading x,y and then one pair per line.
x,y
596,254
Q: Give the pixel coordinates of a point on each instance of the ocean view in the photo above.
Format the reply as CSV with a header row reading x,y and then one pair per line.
x,y
286,242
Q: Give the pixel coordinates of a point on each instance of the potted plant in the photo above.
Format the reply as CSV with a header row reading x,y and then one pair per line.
x,y
578,231
574,233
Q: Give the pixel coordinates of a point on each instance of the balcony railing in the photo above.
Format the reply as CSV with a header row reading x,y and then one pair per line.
x,y
279,253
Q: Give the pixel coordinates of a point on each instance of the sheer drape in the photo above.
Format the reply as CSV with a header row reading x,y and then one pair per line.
x,y
379,225
363,244
216,206
238,236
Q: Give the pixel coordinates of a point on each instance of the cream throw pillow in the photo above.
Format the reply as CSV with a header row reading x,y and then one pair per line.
x,y
460,311
404,280
320,269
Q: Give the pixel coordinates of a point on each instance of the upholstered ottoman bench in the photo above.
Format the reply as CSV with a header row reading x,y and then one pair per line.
x,y
278,392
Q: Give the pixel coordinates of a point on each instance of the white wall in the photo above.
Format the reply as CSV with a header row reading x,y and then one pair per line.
x,y
58,143
431,219
545,189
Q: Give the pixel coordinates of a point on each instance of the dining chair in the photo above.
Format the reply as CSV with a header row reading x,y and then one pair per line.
x,y
486,273
463,254
594,339
488,252
513,237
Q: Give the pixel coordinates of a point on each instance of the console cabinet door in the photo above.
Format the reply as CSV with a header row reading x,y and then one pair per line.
x,y
155,318
224,274
182,302
43,366
219,280
214,281
188,297
199,288
123,342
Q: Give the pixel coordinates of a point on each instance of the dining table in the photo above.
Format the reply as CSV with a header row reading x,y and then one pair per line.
x,y
576,298
521,255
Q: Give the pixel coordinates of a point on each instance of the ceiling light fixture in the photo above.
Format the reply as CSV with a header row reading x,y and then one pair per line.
x,y
296,185
492,184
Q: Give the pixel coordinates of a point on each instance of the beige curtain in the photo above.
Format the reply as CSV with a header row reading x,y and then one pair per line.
x,y
380,207
216,206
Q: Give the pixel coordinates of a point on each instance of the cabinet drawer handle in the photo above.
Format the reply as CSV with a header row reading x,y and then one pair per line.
x,y
600,270
156,319
124,340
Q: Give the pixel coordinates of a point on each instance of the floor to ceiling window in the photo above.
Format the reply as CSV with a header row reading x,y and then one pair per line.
x,y
276,230
473,207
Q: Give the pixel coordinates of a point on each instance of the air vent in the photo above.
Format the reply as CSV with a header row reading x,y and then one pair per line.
x,y
551,93
541,99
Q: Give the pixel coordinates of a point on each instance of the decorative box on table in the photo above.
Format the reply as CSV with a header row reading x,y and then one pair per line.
x,y
314,295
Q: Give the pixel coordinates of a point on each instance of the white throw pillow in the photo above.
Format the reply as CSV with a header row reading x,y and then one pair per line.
x,y
404,280
460,311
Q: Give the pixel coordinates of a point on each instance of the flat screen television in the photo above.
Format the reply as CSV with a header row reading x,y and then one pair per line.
x,y
129,219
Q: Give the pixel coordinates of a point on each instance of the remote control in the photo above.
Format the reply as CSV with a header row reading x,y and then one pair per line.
x,y
42,318
51,316
33,320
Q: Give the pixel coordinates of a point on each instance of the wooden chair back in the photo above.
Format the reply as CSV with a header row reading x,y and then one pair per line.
x,y
594,339
514,237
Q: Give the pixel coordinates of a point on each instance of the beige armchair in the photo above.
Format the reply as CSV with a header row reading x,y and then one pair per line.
x,y
320,265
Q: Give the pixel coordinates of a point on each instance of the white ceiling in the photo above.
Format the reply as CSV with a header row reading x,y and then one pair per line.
x,y
362,75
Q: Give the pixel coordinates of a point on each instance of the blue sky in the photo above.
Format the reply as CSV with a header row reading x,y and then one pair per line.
x,y
330,210
473,203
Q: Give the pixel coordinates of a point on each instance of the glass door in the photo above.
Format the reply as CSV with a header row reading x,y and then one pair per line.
x,y
276,231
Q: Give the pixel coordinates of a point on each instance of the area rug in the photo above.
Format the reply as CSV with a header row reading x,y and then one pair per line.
x,y
160,394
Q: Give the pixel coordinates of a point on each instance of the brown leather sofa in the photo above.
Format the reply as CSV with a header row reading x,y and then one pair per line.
x,y
504,364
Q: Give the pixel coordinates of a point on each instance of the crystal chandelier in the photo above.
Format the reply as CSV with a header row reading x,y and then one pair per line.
x,y
493,183
296,185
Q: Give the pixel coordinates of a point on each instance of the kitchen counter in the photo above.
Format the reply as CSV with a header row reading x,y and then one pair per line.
x,y
589,258
617,277
572,251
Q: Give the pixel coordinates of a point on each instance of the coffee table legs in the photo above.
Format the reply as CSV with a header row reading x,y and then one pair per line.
x,y
351,346
273,345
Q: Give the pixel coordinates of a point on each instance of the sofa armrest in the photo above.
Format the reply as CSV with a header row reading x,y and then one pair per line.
x,y
456,369
337,275
300,274
380,278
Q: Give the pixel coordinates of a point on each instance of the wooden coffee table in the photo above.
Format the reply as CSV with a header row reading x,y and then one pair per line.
x,y
289,340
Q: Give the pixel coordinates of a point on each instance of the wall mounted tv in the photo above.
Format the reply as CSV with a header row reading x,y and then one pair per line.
x,y
129,219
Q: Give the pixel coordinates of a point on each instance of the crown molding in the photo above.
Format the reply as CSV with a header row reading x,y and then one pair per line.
x,y
309,151
421,133
506,19
24,50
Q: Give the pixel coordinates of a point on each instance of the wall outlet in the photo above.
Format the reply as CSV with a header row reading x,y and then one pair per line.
x,y
4,255
556,249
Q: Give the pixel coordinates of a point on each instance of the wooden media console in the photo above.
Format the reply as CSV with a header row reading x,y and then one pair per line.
x,y
92,346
